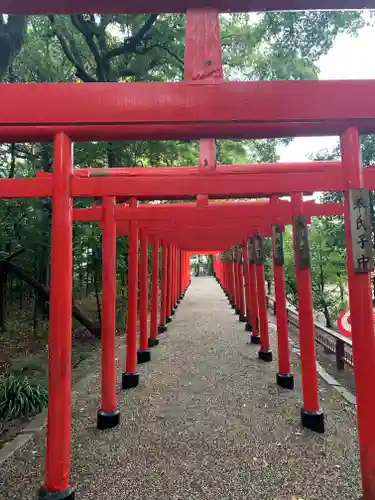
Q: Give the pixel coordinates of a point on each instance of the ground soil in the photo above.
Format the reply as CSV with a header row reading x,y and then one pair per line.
x,y
24,352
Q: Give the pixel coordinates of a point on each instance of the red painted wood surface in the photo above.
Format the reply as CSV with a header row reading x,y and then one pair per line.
x,y
167,215
131,327
108,326
203,63
203,58
169,280
57,466
157,171
154,290
281,305
361,311
171,6
306,327
164,286
246,273
254,300
215,186
143,298
262,308
157,110
241,290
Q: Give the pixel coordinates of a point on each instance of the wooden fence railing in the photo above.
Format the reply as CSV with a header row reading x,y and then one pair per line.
x,y
333,342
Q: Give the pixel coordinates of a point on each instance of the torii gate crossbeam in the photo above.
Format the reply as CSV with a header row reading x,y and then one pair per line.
x,y
182,111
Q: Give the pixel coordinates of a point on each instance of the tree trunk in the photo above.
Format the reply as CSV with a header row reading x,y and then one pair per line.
x,y
44,293
21,295
3,287
12,161
327,316
97,297
12,34
342,294
87,279
111,154
81,279
35,312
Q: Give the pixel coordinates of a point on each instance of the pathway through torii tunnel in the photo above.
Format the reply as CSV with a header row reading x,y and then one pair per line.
x,y
207,420
201,220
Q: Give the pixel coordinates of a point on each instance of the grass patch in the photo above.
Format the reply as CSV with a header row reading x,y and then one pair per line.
x,y
21,398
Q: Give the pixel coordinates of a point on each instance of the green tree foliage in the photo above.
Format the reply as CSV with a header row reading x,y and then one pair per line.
x,y
328,268
284,45
334,226
290,276
268,266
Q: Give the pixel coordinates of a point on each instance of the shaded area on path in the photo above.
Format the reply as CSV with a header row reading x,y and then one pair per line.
x,y
207,421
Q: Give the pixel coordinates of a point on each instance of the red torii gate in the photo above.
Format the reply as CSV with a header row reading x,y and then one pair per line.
x,y
200,108
169,224
185,217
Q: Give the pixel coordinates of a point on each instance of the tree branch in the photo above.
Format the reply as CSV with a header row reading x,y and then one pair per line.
x,y
135,39
175,56
131,44
144,51
44,293
15,254
86,30
80,71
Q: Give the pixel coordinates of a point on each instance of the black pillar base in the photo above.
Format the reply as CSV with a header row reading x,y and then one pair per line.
x,y
153,342
255,339
285,380
143,357
313,420
67,494
238,312
169,319
129,380
172,312
233,305
162,329
248,327
107,420
243,319
265,355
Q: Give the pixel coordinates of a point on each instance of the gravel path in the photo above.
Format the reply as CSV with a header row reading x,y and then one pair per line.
x,y
207,422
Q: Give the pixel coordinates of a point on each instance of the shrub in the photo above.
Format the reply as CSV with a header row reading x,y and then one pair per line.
x,y
20,398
